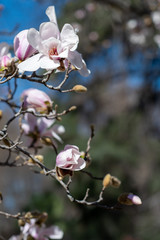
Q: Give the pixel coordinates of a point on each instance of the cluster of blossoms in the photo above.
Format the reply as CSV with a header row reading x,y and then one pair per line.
x,y
35,100
35,228
48,49
37,128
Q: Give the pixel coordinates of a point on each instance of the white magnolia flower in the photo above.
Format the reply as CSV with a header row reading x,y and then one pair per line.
x,y
54,47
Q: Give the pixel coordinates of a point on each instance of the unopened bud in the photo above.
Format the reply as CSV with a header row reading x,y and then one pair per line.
x,y
115,182
21,222
79,88
72,108
129,199
39,158
106,180
46,140
1,114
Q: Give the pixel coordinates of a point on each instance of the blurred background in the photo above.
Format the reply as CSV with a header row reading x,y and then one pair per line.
x,y
119,40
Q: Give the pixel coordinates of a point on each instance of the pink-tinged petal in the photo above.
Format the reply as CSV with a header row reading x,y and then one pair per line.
x,y
26,128
33,37
69,38
50,12
48,45
30,64
62,157
22,48
48,63
68,146
55,135
81,164
76,59
52,232
5,61
48,30
64,54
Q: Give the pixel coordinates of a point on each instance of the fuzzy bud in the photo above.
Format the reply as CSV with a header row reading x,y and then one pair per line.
x,y
106,180
79,88
1,114
115,182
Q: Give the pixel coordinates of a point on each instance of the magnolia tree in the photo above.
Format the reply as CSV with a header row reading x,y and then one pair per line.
x,y
54,51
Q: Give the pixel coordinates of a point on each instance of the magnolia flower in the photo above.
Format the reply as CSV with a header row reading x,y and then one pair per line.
x,y
40,232
70,159
22,48
36,99
53,47
37,128
5,56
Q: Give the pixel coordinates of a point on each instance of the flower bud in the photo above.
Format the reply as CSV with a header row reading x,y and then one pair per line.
x,y
115,182
129,199
1,114
38,157
22,48
79,88
47,141
106,180
6,61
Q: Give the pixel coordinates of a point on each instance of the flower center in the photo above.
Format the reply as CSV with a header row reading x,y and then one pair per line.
x,y
53,51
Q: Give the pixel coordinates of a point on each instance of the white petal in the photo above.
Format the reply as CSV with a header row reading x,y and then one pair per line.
x,y
47,63
76,59
34,38
50,12
84,71
81,164
48,29
30,64
69,37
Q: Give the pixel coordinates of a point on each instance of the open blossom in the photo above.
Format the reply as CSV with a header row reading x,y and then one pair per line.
x,y
70,159
36,99
37,128
53,47
40,232
22,48
5,56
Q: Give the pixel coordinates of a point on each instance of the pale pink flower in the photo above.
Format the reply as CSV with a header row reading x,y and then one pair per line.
x,y
53,47
40,232
6,61
22,48
36,99
134,199
5,56
37,128
70,159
